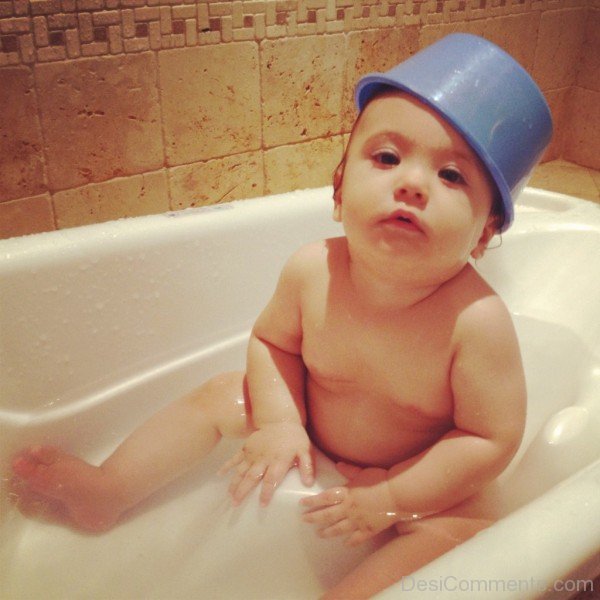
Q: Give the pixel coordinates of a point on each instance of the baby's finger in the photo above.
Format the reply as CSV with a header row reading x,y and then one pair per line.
x,y
235,460
237,478
244,484
305,466
329,497
273,477
325,517
343,527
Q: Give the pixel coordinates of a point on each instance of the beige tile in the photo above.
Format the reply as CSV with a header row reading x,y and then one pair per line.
x,y
302,83
432,33
211,101
220,180
300,166
588,74
123,197
514,34
557,100
26,215
566,178
370,51
595,175
582,138
559,43
21,163
100,118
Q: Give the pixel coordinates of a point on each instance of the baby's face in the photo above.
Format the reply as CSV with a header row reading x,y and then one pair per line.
x,y
412,184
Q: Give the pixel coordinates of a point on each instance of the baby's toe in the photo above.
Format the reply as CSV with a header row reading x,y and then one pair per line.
x,y
23,467
45,455
37,476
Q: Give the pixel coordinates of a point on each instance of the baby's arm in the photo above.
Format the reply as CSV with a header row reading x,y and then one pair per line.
x,y
276,379
489,414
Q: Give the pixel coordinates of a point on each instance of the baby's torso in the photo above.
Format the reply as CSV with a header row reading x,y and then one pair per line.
x,y
378,382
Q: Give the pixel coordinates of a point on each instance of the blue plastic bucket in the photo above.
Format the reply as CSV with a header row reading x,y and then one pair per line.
x,y
486,96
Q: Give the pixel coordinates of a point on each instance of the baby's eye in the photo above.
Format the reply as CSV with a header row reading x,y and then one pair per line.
x,y
386,158
452,176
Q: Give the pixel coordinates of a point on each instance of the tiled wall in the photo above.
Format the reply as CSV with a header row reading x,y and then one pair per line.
x,y
113,108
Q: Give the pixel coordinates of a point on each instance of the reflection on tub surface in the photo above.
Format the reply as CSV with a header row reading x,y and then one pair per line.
x,y
102,325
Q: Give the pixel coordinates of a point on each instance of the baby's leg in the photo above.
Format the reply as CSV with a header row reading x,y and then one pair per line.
x,y
417,545
167,445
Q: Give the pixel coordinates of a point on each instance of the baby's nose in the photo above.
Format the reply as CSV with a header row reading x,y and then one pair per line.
x,y
411,187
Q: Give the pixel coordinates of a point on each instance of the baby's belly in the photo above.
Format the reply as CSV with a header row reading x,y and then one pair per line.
x,y
368,431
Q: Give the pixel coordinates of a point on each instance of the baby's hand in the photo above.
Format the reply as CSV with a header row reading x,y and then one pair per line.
x,y
268,454
359,510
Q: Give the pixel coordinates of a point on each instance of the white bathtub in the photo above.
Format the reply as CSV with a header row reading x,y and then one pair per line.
x,y
101,325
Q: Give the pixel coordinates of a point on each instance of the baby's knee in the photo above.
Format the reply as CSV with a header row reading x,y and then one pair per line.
x,y
224,384
224,400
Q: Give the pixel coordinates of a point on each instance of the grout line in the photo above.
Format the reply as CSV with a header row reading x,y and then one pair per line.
x,y
259,45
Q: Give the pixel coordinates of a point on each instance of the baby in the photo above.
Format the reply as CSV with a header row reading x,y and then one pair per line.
x,y
383,348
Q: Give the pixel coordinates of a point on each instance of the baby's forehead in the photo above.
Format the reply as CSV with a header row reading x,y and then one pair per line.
x,y
378,117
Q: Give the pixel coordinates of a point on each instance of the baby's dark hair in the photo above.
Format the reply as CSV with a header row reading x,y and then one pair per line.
x,y
497,210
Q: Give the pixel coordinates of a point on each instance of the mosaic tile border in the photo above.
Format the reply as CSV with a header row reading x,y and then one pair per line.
x,y
53,30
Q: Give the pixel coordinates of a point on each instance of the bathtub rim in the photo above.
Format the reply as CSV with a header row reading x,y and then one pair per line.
x,y
531,198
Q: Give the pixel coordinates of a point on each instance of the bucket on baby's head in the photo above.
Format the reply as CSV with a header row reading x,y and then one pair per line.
x,y
485,95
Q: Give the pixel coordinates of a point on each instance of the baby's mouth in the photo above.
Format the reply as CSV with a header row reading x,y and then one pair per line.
x,y
404,220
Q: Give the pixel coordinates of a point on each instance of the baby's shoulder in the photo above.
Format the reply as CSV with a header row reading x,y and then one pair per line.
x,y
314,257
481,311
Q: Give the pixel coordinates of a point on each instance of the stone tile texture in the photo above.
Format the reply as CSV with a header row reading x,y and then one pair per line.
x,y
28,215
210,101
100,117
21,161
301,91
582,139
121,197
559,48
215,181
300,166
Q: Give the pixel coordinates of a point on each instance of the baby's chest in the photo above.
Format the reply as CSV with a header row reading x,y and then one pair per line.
x,y
393,358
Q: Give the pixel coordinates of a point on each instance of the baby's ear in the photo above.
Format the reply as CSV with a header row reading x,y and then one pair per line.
x,y
337,191
489,230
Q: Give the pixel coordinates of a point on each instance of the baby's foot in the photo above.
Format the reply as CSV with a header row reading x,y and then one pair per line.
x,y
55,485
